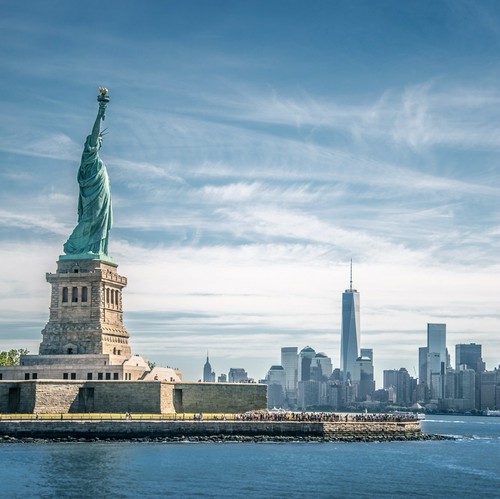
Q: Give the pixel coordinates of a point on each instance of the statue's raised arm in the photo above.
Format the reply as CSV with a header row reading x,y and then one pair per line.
x,y
90,237
103,100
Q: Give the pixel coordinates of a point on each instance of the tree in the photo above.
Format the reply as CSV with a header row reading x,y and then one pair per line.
x,y
12,357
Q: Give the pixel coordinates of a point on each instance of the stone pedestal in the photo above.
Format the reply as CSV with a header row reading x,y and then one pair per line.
x,y
86,315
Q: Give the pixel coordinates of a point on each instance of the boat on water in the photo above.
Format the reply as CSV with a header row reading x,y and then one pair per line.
x,y
492,412
416,415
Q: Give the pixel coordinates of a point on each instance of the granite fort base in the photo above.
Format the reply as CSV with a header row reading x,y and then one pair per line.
x,y
152,397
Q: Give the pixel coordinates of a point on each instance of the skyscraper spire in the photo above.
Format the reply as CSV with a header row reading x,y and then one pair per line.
x,y
208,374
350,282
350,338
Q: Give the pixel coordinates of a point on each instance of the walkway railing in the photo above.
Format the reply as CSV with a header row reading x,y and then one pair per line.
x,y
298,417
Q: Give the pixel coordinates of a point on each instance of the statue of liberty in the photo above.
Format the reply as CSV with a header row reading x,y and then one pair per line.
x,y
95,217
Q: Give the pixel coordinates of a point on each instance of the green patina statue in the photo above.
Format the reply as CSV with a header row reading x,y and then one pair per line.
x,y
89,238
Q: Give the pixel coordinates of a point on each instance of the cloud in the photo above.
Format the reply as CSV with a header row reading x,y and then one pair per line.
x,y
421,115
30,220
54,146
258,192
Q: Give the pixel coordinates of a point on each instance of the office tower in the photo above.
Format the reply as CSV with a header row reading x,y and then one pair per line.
x,y
306,356
489,390
308,394
436,359
404,387
321,367
466,387
436,340
276,380
350,339
390,378
237,375
401,384
362,378
468,355
435,375
289,362
366,352
422,365
208,374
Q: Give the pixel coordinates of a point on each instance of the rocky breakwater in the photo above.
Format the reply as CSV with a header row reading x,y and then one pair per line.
x,y
212,431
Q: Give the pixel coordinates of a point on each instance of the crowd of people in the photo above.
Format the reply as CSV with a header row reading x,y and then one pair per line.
x,y
318,417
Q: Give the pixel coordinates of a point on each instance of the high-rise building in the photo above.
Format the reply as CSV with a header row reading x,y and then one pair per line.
x,y
437,359
308,394
350,339
489,382
276,380
237,375
401,385
422,365
208,374
306,356
436,340
390,378
366,352
468,355
362,378
289,362
321,367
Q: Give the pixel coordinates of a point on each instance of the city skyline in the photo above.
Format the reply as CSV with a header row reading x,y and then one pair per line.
x,y
253,150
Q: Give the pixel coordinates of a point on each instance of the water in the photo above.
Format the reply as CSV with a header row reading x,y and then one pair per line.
x,y
466,467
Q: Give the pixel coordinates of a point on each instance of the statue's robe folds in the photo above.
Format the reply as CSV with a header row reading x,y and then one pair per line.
x,y
95,215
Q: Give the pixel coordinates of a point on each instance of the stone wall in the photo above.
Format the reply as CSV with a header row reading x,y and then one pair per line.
x,y
53,397
221,397
132,397
370,429
14,399
171,429
56,397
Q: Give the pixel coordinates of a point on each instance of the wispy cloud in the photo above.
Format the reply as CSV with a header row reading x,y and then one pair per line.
x,y
56,146
422,115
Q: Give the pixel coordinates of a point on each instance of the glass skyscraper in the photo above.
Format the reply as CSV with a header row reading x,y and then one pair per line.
x,y
436,359
468,355
350,340
289,361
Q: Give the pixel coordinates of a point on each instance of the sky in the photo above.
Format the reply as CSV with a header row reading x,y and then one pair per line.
x,y
254,149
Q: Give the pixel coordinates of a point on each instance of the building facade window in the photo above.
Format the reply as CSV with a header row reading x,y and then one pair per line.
x,y
107,295
65,295
26,375
35,376
108,375
89,375
115,376
84,294
65,375
74,294
73,375
99,375
1,376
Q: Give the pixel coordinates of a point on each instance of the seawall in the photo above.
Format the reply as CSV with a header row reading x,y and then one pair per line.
x,y
218,430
